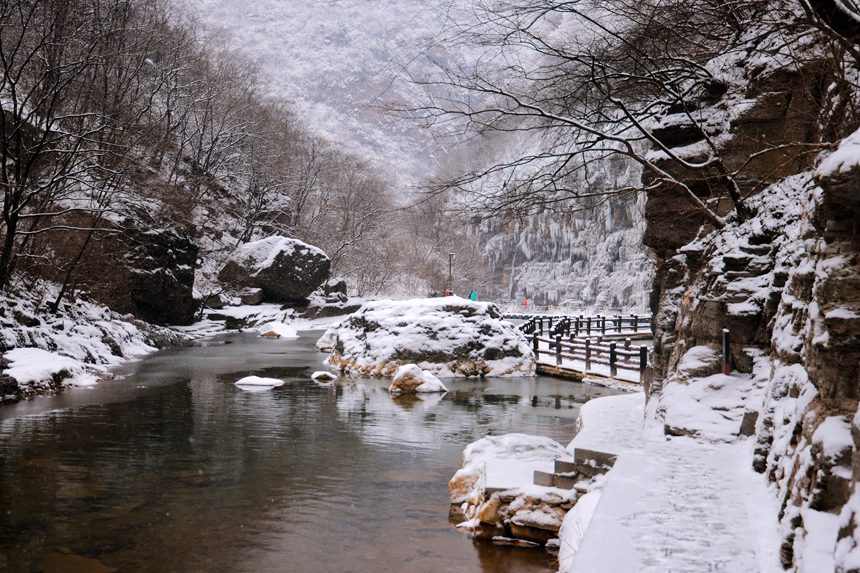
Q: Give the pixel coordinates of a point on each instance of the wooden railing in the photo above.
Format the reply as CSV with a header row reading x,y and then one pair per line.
x,y
593,352
584,326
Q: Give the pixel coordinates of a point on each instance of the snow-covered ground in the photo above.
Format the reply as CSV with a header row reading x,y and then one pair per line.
x,y
76,346
680,504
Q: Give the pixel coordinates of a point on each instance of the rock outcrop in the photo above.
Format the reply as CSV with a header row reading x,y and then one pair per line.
x,y
786,283
287,270
494,495
409,379
161,276
448,336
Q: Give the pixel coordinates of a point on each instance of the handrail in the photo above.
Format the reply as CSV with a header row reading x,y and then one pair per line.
x,y
594,351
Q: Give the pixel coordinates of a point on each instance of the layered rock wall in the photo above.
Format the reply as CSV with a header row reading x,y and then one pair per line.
x,y
786,283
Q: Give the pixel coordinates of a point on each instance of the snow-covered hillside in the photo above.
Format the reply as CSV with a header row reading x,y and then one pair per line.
x,y
336,60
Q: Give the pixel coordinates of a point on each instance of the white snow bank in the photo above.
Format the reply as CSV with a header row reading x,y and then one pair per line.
x,y
710,407
29,365
448,336
254,383
277,330
844,159
410,378
573,529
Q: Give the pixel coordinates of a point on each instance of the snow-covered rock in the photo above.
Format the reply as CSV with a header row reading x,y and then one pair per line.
x,y
495,495
33,365
323,377
516,448
410,379
286,269
448,336
257,383
327,341
278,330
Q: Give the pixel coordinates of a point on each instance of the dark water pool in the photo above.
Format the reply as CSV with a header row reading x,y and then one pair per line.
x,y
173,468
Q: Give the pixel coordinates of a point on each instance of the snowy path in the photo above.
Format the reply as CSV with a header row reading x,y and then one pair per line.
x,y
675,505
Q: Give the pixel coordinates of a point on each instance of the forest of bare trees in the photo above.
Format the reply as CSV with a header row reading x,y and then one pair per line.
x,y
583,83
118,117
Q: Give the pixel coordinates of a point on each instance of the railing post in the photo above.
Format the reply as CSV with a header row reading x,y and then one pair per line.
x,y
549,326
613,358
601,320
576,325
635,320
618,323
587,354
727,352
643,363
627,343
588,326
558,350
540,324
535,345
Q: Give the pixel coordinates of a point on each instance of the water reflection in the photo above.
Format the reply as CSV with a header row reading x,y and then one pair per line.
x,y
176,469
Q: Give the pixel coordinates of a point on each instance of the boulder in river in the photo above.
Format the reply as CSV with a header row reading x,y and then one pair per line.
x,y
448,336
410,379
286,269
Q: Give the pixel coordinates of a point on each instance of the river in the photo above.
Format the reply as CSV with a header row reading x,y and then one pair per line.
x,y
173,468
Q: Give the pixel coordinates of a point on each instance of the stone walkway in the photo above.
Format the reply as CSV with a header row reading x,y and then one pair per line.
x,y
674,505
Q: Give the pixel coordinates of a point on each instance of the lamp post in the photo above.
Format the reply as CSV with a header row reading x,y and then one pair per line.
x,y
450,273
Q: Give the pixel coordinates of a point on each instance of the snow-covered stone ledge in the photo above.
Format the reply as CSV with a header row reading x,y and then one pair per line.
x,y
449,337
519,489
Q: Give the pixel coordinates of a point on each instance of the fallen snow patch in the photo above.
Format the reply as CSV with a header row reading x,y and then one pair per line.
x,y
31,365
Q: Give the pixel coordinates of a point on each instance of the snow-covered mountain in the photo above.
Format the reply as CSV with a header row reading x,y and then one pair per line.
x,y
337,62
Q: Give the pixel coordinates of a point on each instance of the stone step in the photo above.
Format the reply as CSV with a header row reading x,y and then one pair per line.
x,y
586,456
561,481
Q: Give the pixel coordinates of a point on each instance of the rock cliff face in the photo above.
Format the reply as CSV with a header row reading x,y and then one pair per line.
x,y
591,260
786,283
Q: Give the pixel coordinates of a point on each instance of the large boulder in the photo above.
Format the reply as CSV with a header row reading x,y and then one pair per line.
x,y
448,336
287,270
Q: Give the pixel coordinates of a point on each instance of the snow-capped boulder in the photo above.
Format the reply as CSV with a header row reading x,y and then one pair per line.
x,y
277,330
448,336
287,270
327,341
323,377
410,379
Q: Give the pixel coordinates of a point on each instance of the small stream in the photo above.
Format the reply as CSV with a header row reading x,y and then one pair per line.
x,y
173,468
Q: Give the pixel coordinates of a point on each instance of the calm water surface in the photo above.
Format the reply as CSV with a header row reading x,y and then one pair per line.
x,y
173,468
